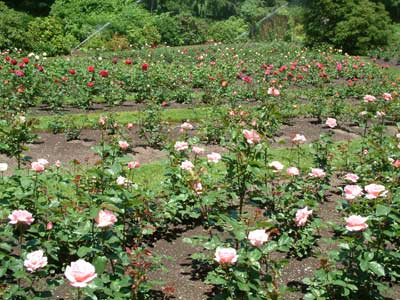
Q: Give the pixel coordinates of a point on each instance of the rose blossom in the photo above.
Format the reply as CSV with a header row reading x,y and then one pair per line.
x,y
351,177
273,92
133,165
356,223
37,167
369,98
21,216
331,122
49,226
225,255
187,165
186,126
293,171
258,237
105,218
197,150
57,164
43,162
3,167
129,126
122,180
302,216
180,146
352,191
80,273
214,157
299,139
375,190
102,120
396,163
251,136
276,165
198,187
317,173
387,96
123,145
35,260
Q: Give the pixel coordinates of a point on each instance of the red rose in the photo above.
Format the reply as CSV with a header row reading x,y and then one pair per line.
x,y
13,62
8,58
72,72
103,73
25,60
64,78
145,67
128,61
90,84
90,69
40,68
19,73
114,60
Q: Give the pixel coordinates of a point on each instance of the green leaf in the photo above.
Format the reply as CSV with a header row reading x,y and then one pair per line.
x,y
100,263
82,251
382,210
377,268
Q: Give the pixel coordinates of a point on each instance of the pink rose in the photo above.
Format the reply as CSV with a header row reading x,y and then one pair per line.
x,y
181,146
293,171
387,96
302,216
352,191
331,122
49,226
198,187
37,167
276,165
123,145
186,126
80,273
197,150
369,98
133,165
105,218
273,92
356,223
251,136
129,126
21,216
258,237
57,164
299,139
380,114
214,157
35,260
375,190
396,163
317,173
351,177
187,165
102,120
225,255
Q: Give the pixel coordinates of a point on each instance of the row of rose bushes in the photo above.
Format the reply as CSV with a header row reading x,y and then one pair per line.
x,y
93,225
215,73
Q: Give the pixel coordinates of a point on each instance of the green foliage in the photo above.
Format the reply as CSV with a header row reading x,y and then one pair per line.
x,y
227,31
47,35
13,25
355,26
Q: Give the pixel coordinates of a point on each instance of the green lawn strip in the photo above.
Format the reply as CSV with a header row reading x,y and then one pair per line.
x,y
90,119
152,175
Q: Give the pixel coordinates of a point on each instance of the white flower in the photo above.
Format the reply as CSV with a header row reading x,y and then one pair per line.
x,y
3,167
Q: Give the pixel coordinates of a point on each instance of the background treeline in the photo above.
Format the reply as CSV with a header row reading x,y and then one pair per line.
x,y
56,26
